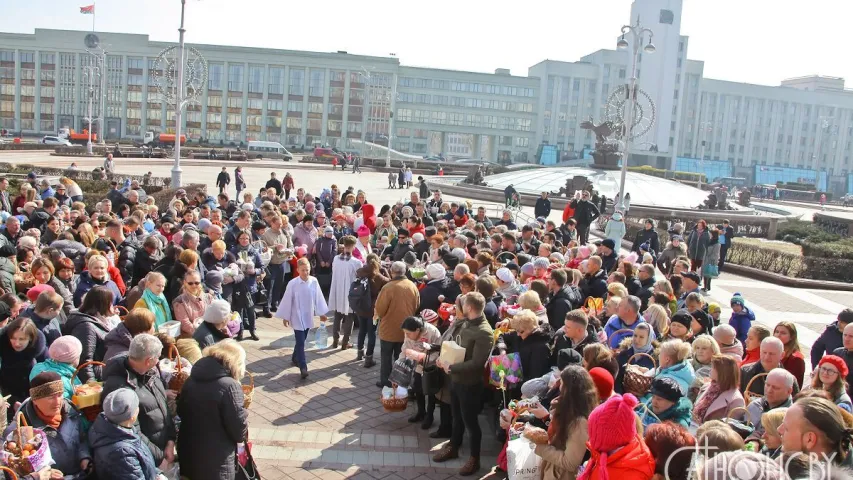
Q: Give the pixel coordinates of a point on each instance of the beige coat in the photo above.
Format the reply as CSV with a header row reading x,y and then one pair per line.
x,y
564,464
397,300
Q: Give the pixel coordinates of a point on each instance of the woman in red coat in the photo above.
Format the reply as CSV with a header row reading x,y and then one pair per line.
x,y
793,359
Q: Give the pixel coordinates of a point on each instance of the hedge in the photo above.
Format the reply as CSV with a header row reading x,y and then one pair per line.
x,y
669,174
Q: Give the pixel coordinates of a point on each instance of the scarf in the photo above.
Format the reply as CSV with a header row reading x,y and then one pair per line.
x,y
51,421
159,306
705,401
648,347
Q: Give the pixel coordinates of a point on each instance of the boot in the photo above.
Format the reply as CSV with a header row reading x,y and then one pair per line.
x,y
417,417
427,423
471,467
449,452
360,356
335,343
303,374
440,434
253,336
267,313
239,336
345,345
368,361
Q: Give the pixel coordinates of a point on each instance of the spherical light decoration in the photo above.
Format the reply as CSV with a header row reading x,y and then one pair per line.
x,y
166,74
644,112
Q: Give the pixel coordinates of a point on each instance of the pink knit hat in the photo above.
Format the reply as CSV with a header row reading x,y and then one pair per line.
x,y
34,292
363,231
429,316
611,425
65,349
583,252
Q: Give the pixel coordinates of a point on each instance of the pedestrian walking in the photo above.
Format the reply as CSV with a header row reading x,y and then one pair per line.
x,y
223,180
585,213
302,301
391,179
238,181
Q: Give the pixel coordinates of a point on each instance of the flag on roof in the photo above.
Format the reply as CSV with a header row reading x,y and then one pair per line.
x,y
88,10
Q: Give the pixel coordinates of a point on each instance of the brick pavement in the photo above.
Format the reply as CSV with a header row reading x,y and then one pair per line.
x,y
333,425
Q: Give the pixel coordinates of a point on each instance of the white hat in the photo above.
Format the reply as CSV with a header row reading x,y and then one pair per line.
x,y
435,272
458,253
218,312
504,275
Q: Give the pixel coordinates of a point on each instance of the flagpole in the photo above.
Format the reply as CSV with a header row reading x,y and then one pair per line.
x,y
93,16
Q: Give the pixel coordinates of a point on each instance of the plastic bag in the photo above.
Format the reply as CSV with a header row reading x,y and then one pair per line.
x,y
321,337
172,473
33,462
401,373
522,461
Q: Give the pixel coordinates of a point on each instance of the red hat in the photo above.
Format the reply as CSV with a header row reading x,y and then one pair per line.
x,y
836,362
612,424
603,381
34,292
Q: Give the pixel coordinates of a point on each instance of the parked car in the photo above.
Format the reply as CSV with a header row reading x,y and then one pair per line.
x,y
323,153
50,140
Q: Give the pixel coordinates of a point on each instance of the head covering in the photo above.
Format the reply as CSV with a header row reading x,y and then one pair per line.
x,y
247,207
738,299
683,317
46,384
528,269
181,192
363,231
258,225
504,275
429,316
309,206
677,237
836,362
540,219
714,308
148,225
34,292
541,262
603,381
692,276
121,405
535,386
647,257
65,349
609,243
611,426
31,175
568,356
5,312
402,232
189,226
218,312
645,246
584,252
450,260
667,388
616,216
204,224
435,272
328,231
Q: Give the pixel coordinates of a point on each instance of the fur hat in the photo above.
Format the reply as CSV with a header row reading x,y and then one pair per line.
x,y
667,388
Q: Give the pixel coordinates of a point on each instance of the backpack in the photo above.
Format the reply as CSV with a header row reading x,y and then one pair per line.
x,y
359,297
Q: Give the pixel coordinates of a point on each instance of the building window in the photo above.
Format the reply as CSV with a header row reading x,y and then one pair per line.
x,y
214,76
256,79
235,78
667,17
297,81
316,83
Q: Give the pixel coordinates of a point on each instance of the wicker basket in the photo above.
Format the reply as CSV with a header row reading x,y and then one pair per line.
x,y
749,396
498,263
13,475
249,391
616,349
635,381
395,404
89,405
119,309
179,376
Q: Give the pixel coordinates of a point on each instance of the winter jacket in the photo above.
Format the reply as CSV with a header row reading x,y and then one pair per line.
x,y
223,179
594,285
188,310
680,372
742,322
429,295
712,254
614,324
67,298
564,464
92,333
669,254
87,283
15,366
7,275
722,405
398,299
560,303
615,231
608,262
678,413
796,364
120,451
127,259
377,280
697,243
48,326
143,264
534,351
155,423
585,211
64,370
542,208
826,343
430,335
68,444
649,236
206,335
117,342
634,461
476,337
645,292
561,342
213,421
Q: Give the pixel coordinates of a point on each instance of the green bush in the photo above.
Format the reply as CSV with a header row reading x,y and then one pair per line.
x,y
839,248
797,229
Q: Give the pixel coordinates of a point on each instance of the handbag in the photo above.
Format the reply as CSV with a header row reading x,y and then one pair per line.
x,y
402,372
710,270
432,379
249,469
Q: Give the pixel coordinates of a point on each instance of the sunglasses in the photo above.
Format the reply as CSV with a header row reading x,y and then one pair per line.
x,y
193,283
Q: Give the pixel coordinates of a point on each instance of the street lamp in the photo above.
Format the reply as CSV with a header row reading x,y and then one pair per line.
x,y
705,127
90,74
636,32
101,58
367,77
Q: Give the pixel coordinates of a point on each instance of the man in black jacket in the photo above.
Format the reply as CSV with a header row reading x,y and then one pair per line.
x,y
575,334
562,299
223,180
585,213
594,283
274,183
127,248
137,370
543,206
607,252
646,276
647,235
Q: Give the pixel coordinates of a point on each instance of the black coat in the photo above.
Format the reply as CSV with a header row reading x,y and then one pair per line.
x,y
276,184
650,236
585,211
15,366
645,293
213,421
206,335
127,259
633,286
143,264
595,285
559,304
91,332
155,424
534,351
561,342
542,208
608,262
430,294
223,179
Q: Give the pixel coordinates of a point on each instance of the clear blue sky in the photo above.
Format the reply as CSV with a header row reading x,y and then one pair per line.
x,y
754,41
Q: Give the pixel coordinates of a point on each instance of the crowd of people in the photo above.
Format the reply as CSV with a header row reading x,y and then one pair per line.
x,y
622,359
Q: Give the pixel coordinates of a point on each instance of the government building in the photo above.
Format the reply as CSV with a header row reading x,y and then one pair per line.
x,y
797,131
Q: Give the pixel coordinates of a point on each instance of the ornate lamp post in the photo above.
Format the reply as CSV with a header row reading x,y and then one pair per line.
x,y
705,127
181,83
636,32
91,74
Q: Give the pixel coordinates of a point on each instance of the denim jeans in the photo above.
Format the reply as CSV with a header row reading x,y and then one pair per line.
x,y
388,353
299,349
278,280
248,315
366,328
466,402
